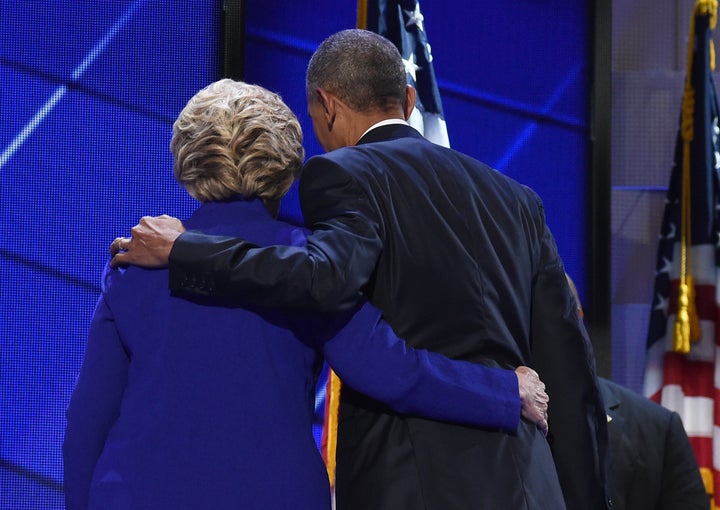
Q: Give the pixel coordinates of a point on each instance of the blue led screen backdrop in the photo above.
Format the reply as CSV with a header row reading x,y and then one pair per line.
x,y
89,93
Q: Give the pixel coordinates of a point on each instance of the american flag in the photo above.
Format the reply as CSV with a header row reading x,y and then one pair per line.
x,y
686,382
401,22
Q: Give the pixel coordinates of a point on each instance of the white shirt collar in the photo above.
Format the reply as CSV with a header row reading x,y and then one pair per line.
x,y
385,122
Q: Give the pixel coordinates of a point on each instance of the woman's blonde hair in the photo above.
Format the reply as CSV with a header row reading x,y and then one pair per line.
x,y
233,138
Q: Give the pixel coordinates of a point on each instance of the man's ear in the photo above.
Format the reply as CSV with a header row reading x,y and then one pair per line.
x,y
328,101
409,105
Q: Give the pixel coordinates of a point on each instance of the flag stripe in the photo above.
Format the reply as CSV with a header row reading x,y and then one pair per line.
x,y
696,378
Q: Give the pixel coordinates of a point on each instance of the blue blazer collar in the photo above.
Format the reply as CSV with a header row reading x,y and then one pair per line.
x,y
213,215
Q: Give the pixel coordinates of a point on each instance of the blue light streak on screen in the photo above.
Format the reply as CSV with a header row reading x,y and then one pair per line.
x,y
570,78
90,91
61,91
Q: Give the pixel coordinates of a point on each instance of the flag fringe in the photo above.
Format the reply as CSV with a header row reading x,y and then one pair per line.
x,y
332,412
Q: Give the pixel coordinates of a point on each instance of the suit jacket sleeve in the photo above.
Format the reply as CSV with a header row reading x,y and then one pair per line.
x,y
368,356
681,485
327,274
94,405
562,355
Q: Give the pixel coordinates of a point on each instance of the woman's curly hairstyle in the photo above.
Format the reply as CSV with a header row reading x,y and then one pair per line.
x,y
233,138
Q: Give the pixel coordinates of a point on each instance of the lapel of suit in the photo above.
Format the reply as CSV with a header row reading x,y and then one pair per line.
x,y
622,461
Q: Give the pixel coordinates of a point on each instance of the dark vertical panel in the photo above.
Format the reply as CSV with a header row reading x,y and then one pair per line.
x,y
233,39
597,302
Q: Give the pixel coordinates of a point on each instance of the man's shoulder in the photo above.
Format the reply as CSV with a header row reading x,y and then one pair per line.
x,y
392,152
347,165
336,159
354,163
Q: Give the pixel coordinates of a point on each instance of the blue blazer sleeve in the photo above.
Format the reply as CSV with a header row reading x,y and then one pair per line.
x,y
368,356
94,405
327,274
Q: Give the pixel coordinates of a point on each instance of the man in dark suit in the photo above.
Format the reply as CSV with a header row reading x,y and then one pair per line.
x,y
460,260
652,465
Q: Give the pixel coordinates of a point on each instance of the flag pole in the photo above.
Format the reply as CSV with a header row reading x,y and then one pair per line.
x,y
687,323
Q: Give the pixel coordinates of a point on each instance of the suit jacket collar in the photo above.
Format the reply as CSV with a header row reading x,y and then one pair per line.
x,y
389,132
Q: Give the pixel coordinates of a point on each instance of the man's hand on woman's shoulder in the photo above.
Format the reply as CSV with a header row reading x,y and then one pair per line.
x,y
150,243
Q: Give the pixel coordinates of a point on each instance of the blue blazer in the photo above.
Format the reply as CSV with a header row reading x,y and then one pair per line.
x,y
203,403
461,261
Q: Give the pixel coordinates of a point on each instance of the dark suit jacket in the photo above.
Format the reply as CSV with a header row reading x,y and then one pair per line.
x,y
461,261
652,465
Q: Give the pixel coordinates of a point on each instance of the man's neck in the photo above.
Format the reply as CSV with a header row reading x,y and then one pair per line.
x,y
364,122
385,122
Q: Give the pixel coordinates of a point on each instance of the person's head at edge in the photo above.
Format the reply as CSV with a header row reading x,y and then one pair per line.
x,y
354,79
233,138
